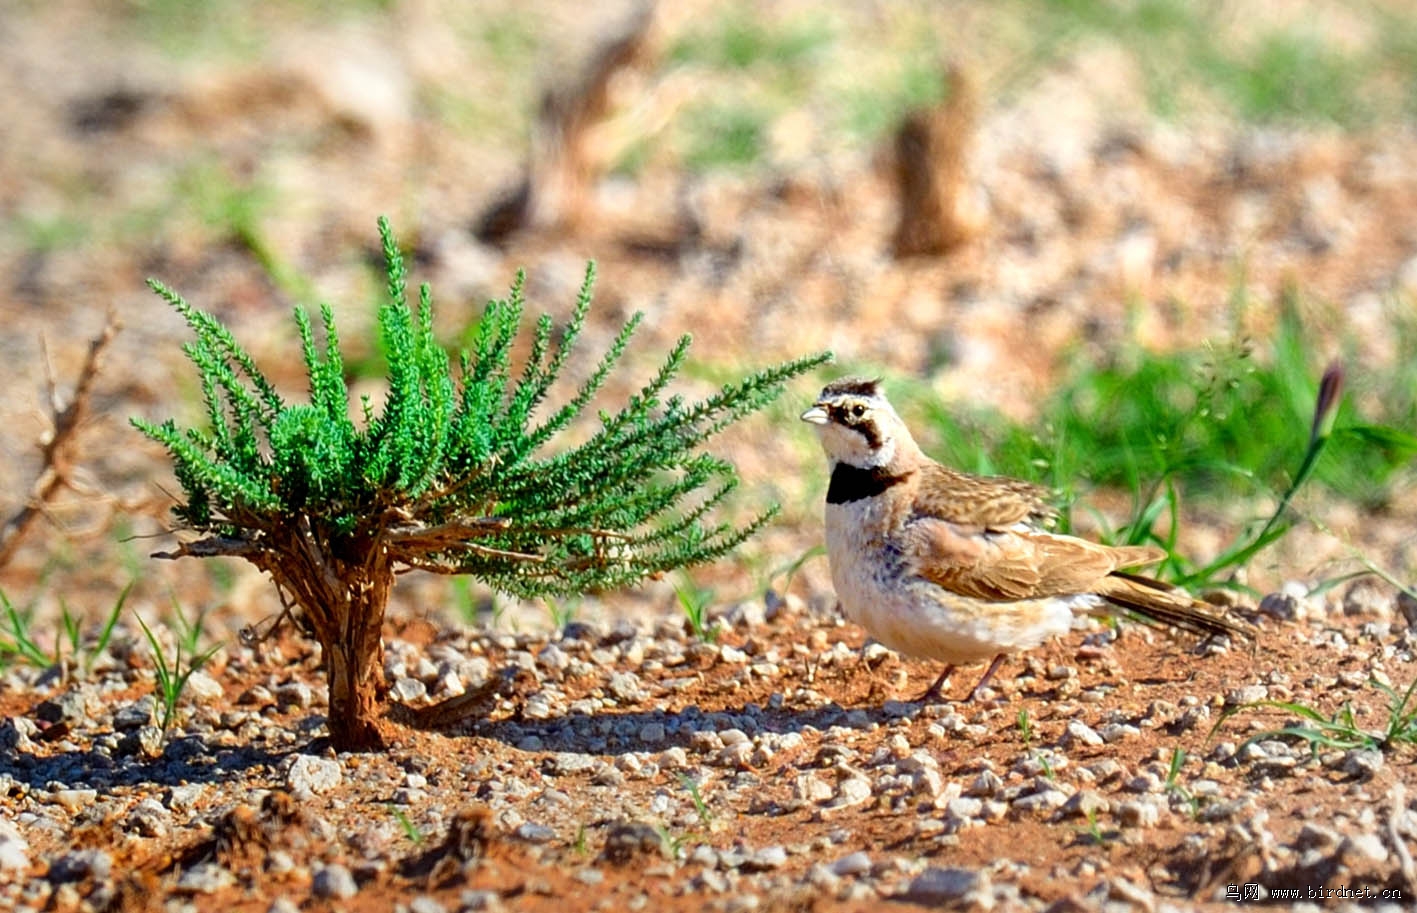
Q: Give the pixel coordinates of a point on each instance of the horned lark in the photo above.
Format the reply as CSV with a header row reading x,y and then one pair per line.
x,y
960,568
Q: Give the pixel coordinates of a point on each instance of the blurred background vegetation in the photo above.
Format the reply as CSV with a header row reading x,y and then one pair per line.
x,y
1172,215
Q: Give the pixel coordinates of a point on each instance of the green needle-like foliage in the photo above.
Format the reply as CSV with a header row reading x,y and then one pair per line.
x,y
456,473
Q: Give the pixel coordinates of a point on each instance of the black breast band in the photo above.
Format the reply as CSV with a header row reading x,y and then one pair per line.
x,y
851,483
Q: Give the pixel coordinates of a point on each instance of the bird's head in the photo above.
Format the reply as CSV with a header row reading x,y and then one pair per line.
x,y
857,425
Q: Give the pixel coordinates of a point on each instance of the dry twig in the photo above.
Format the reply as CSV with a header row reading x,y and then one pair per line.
x,y
58,450
932,152
563,163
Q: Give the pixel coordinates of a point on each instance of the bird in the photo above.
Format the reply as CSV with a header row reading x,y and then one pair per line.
x,y
961,568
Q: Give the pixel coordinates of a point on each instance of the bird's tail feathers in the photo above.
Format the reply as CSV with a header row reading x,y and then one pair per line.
x,y
1163,605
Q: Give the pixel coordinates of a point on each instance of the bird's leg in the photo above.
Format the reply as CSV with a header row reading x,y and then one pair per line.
x,y
973,695
933,693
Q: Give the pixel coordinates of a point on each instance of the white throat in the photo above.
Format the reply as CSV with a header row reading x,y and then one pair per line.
x,y
880,456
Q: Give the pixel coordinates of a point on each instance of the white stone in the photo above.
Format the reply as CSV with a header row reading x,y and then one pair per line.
x,y
314,774
1079,733
857,863
14,849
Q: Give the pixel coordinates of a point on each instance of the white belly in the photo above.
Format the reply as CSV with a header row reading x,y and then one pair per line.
x,y
916,617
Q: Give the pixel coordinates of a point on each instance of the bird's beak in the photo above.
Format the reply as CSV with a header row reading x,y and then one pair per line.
x,y
815,415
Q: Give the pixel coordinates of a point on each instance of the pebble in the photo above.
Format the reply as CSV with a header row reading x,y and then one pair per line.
x,y
479,901
15,734
1313,836
703,855
985,784
1366,597
732,655
926,828
333,881
875,653
74,801
739,755
532,832
964,808
710,880
1084,804
1224,811
204,878
138,713
930,783
184,797
147,741
857,863
1116,732
68,710
1079,733
943,886
77,865
1133,895
731,737
1041,801
1366,846
312,774
765,859
203,688
851,791
297,695
1144,782
424,903
148,819
811,788
14,849
626,687
565,763
407,689
1283,606
553,658
823,878
1362,763
1247,694
1139,813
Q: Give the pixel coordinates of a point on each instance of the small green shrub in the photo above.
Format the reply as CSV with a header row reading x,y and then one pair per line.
x,y
450,476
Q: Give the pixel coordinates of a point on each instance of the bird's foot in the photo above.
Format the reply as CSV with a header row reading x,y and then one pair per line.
x,y
977,692
936,691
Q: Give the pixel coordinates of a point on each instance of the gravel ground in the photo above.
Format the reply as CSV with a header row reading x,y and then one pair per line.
x,y
779,768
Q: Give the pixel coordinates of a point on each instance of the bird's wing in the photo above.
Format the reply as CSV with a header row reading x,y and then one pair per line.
x,y
1013,563
994,502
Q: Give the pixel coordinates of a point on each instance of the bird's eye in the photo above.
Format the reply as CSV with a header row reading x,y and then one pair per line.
x,y
858,410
